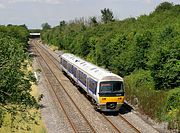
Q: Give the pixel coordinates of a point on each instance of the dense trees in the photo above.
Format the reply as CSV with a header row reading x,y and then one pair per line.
x,y
164,59
15,80
131,48
131,44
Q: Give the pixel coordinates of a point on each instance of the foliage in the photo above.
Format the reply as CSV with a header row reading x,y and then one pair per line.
x,y
140,92
173,99
173,108
93,21
45,26
149,44
62,23
15,82
19,32
107,15
164,6
164,59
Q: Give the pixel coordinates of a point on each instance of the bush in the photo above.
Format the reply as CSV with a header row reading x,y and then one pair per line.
x,y
140,93
173,99
173,108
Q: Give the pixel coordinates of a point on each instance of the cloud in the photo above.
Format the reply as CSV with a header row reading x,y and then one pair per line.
x,y
39,1
2,6
148,1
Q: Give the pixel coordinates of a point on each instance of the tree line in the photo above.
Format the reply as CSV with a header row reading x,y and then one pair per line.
x,y
143,50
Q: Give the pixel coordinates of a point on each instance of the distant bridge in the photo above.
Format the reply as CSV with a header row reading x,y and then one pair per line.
x,y
35,35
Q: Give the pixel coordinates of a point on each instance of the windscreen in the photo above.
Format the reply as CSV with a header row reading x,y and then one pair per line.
x,y
111,87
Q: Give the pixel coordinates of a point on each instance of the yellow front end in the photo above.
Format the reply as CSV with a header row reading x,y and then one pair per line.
x,y
110,103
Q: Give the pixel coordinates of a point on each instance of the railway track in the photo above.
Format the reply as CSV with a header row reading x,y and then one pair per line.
x,y
75,117
132,126
56,63
121,117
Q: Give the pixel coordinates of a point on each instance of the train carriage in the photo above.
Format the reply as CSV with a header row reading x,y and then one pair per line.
x,y
105,88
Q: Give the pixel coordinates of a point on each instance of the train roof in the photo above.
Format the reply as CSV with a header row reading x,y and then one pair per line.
x,y
91,69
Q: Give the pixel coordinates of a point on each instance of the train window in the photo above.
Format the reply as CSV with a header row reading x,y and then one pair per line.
x,y
70,67
111,87
77,74
92,85
65,64
82,77
60,60
74,69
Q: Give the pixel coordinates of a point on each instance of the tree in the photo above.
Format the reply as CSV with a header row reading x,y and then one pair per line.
x,y
62,23
45,26
164,6
107,15
93,21
164,60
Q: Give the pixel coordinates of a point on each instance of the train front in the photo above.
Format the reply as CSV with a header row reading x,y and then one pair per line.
x,y
110,95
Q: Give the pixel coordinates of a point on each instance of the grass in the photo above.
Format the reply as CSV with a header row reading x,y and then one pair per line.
x,y
23,127
53,48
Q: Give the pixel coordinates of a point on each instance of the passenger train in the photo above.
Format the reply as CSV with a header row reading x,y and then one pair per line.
x,y
104,88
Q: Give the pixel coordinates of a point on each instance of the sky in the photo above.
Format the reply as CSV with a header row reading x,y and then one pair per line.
x,y
33,13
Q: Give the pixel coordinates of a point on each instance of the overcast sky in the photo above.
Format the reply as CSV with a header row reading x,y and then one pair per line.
x,y
35,12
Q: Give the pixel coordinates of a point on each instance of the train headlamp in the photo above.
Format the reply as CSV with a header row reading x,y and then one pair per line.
x,y
103,98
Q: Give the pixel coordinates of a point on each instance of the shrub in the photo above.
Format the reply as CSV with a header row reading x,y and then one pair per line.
x,y
173,108
140,92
